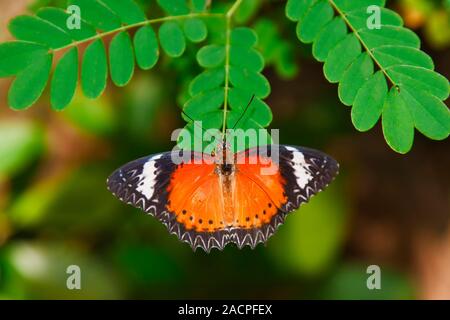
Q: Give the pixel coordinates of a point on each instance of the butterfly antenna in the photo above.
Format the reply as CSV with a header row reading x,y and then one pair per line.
x,y
243,113
194,122
188,116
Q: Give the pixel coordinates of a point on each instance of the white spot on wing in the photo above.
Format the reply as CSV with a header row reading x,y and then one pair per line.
x,y
147,179
302,175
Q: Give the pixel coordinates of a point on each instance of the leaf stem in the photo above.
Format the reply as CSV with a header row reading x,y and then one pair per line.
x,y
140,24
358,36
229,16
233,9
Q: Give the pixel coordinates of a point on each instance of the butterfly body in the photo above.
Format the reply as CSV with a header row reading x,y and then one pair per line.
x,y
210,200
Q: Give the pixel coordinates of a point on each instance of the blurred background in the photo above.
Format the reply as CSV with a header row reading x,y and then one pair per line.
x,y
385,209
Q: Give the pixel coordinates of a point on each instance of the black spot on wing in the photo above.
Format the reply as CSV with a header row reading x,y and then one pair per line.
x,y
219,239
254,236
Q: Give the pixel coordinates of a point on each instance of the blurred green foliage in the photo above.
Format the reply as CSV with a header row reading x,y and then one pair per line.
x,y
22,141
313,252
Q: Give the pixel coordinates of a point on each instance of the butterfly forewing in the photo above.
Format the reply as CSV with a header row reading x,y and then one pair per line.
x,y
143,183
306,172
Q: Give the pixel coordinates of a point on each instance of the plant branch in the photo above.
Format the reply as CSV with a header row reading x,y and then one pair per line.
x,y
344,17
229,16
140,24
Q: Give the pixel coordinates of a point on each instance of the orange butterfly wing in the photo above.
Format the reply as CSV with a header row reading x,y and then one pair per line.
x,y
259,197
195,197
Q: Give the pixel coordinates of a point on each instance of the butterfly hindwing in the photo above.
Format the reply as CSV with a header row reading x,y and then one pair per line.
x,y
196,199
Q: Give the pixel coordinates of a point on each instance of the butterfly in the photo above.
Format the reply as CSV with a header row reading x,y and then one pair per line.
x,y
211,200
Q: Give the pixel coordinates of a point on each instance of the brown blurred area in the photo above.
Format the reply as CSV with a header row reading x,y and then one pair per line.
x,y
400,204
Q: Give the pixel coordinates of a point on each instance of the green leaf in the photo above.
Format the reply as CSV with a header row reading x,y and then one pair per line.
x,y
431,115
59,17
369,102
244,37
328,38
174,7
257,116
146,48
199,5
209,79
211,56
243,65
246,58
296,9
389,56
246,10
210,120
127,10
38,30
94,72
249,81
204,103
350,5
354,78
30,83
121,59
17,55
65,79
393,49
96,13
314,20
172,39
420,79
398,124
340,57
195,30
390,35
197,140
358,18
